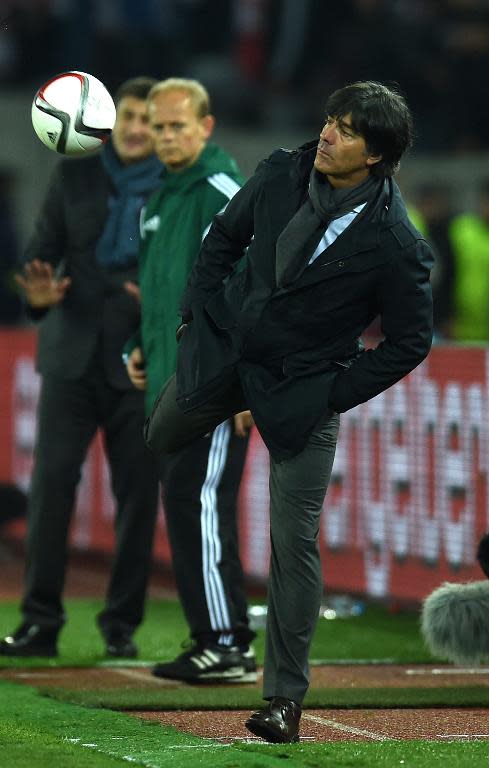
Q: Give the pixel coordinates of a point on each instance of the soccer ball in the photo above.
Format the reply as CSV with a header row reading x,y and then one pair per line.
x,y
73,113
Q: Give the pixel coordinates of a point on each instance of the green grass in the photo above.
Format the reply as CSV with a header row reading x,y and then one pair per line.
x,y
80,642
36,732
376,633
223,697
53,732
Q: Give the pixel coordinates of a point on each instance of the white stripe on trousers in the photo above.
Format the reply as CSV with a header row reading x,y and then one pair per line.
x,y
209,524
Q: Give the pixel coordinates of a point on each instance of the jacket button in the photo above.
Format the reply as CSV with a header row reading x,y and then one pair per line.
x,y
341,264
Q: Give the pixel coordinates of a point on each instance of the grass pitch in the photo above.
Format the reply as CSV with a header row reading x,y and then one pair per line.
x,y
39,731
36,732
376,634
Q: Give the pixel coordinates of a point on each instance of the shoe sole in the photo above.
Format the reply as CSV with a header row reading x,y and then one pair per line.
x,y
257,729
234,674
247,677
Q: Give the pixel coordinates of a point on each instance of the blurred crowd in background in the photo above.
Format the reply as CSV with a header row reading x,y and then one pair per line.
x,y
269,64
270,60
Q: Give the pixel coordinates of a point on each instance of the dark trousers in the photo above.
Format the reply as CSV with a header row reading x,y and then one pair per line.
x,y
200,489
297,490
69,413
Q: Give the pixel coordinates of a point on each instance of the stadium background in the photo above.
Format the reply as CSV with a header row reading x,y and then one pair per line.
x,y
409,498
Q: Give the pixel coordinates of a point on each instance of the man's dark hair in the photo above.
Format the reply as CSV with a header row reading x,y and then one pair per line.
x,y
379,114
138,87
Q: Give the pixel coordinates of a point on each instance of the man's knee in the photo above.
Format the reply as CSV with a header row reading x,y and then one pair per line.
x,y
158,433
158,439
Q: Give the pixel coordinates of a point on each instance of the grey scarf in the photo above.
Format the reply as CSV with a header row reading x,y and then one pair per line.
x,y
300,238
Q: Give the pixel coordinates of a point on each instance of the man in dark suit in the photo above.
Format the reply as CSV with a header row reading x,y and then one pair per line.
x,y
328,246
82,252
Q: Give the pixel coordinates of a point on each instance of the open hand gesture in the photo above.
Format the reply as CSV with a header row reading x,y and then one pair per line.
x,y
41,287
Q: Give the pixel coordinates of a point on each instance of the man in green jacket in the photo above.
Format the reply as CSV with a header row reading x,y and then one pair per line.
x,y
200,483
469,238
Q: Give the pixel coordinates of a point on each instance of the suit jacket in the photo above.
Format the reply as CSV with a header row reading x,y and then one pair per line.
x,y
297,349
97,314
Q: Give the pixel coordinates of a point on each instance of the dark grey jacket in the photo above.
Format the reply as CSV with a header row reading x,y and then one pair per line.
x,y
297,350
96,307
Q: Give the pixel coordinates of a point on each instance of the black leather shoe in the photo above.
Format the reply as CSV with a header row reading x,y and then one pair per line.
x,y
278,723
30,640
120,645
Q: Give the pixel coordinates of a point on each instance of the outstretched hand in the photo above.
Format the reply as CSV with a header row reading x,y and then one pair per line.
x,y
41,287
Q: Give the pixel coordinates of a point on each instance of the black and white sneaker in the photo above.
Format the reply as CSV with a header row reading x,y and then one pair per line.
x,y
250,674
205,664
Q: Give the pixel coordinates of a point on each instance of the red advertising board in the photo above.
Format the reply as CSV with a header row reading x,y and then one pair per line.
x,y
408,497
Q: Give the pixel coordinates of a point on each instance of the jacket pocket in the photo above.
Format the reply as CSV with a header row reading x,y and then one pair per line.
x,y
360,262
311,361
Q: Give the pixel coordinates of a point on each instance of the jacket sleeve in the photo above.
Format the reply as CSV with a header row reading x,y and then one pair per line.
x,y
47,241
406,313
223,246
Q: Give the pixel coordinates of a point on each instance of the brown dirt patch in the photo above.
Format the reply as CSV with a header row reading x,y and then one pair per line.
x,y
331,676
317,725
321,725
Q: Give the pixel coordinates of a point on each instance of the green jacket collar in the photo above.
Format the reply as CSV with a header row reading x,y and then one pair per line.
x,y
211,160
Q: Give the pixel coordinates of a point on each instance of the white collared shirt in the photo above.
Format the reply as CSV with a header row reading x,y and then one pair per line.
x,y
334,230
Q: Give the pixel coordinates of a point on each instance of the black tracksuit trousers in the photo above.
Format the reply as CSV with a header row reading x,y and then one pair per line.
x,y
200,490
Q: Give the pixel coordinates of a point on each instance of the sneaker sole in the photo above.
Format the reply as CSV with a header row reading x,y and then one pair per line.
x,y
233,674
247,677
225,675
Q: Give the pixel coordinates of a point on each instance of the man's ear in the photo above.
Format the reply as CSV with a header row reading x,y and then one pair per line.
x,y
373,159
207,124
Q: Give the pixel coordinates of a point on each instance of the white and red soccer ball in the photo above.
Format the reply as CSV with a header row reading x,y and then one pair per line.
x,y
73,113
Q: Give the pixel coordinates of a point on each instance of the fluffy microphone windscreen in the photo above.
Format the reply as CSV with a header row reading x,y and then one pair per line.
x,y
455,622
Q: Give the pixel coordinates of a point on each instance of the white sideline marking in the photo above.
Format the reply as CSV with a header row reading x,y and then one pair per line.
x,y
450,671
211,745
135,675
195,746
128,758
346,728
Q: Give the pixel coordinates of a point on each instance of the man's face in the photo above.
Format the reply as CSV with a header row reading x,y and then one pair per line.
x,y
179,135
131,136
342,154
